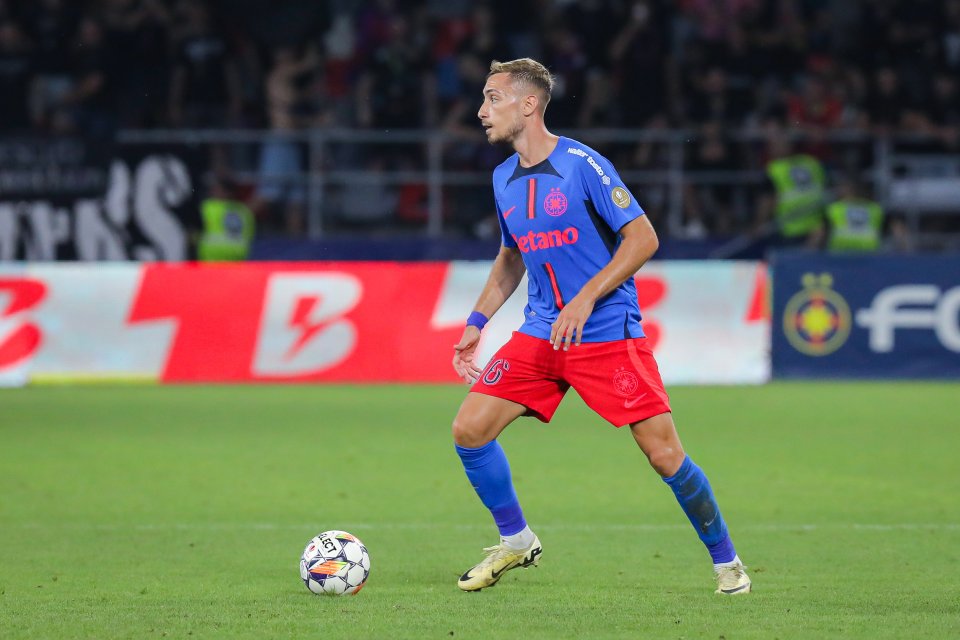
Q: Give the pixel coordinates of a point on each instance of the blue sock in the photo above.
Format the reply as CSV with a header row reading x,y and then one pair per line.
x,y
489,473
695,496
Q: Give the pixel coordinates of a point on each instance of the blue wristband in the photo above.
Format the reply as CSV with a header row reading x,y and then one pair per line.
x,y
477,319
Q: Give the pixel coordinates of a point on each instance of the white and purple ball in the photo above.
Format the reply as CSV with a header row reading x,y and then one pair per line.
x,y
335,563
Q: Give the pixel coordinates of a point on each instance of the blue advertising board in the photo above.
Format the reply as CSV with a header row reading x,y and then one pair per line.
x,y
874,316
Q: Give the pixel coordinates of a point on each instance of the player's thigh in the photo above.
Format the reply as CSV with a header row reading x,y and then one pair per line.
x,y
481,418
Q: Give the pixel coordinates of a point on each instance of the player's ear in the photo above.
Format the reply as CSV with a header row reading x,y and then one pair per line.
x,y
530,104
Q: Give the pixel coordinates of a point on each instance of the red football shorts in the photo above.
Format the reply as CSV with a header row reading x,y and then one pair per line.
x,y
619,380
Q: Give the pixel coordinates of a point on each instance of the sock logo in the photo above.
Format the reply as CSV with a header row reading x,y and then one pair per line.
x,y
495,371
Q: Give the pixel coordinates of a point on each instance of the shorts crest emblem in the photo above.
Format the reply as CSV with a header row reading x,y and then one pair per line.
x,y
625,383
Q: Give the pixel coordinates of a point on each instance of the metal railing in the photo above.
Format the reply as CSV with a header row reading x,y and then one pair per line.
x,y
323,171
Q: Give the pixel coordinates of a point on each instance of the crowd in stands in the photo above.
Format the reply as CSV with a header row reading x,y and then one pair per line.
x,y
710,66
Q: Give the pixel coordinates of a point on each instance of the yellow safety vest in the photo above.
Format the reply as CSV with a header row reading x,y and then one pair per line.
x,y
800,183
228,229
855,225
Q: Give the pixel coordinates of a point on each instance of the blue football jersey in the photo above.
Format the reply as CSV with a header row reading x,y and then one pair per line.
x,y
564,215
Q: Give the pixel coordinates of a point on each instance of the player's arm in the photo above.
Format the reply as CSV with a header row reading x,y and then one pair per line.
x,y
639,243
504,278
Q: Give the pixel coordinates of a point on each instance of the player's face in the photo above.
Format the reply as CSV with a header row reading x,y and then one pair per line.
x,y
500,114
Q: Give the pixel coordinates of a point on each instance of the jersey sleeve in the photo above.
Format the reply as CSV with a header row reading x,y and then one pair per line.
x,y
507,239
613,201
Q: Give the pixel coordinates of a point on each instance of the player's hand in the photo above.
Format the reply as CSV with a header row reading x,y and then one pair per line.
x,y
568,327
465,353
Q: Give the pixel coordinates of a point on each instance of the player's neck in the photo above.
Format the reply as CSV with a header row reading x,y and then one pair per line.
x,y
534,145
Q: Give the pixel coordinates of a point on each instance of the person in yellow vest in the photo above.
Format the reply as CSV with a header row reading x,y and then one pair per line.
x,y
227,227
854,223
800,183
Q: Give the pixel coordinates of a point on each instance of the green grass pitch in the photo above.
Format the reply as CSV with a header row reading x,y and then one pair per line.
x,y
149,512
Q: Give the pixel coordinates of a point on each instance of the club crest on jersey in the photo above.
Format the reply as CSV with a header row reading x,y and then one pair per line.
x,y
625,382
555,204
620,197
495,371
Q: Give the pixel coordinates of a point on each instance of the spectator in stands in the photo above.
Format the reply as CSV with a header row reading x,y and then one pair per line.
x,y
391,92
205,87
339,64
910,39
51,26
520,31
16,74
140,30
639,58
709,208
777,29
368,202
90,104
459,114
815,109
467,149
711,101
227,223
458,35
374,24
738,57
816,112
950,37
597,22
563,55
281,194
889,107
598,108
715,18
795,206
413,198
854,223
942,111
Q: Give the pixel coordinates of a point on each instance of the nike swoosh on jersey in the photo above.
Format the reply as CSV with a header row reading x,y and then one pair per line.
x,y
630,403
508,211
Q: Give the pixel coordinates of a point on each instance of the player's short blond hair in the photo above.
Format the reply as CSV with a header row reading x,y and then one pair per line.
x,y
528,72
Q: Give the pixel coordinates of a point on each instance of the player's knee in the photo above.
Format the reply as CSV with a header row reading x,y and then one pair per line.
x,y
468,432
665,460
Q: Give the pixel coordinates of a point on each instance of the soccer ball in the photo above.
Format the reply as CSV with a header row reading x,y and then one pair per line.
x,y
335,563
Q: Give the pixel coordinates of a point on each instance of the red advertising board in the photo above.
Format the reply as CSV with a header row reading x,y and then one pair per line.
x,y
295,322
334,321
